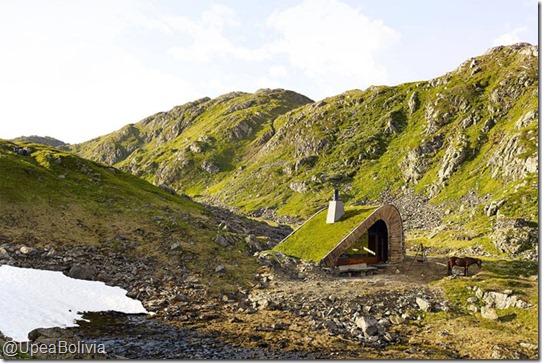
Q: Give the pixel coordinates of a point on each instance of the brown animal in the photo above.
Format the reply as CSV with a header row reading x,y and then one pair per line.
x,y
463,262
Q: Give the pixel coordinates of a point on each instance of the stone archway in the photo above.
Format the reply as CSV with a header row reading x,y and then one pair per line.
x,y
387,214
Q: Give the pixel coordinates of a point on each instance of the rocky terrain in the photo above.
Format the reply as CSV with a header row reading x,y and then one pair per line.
x,y
172,209
293,310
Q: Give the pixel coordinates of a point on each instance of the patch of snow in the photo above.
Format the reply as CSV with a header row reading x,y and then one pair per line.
x,y
31,299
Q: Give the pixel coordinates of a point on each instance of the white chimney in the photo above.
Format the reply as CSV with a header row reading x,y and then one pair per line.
x,y
336,208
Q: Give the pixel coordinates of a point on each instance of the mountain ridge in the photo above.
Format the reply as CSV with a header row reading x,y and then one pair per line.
x,y
464,142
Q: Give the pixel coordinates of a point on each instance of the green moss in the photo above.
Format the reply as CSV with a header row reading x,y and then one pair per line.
x,y
316,238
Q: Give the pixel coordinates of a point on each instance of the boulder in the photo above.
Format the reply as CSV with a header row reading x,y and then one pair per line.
x,y
27,250
489,313
210,167
367,324
82,272
55,336
48,333
221,240
479,293
167,189
175,246
497,300
23,151
492,208
424,304
396,319
413,102
299,187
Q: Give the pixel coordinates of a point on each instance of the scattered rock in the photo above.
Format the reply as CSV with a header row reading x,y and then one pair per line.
x,y
423,304
367,325
489,313
513,235
82,272
210,167
492,208
500,352
27,250
222,241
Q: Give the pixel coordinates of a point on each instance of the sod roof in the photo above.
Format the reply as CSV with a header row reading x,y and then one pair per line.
x,y
315,238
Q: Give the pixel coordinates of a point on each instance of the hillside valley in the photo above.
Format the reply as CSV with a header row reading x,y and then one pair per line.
x,y
457,154
183,208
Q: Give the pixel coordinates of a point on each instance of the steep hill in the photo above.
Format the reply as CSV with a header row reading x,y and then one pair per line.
x,y
457,154
196,144
58,201
44,140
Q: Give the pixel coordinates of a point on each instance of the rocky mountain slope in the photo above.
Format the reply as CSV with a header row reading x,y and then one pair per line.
x,y
458,154
44,140
195,144
59,210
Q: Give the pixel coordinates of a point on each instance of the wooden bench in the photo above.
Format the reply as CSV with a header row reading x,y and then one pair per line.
x,y
362,268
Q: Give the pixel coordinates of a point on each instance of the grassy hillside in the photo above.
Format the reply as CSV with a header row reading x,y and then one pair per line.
x,y
464,145
51,197
197,144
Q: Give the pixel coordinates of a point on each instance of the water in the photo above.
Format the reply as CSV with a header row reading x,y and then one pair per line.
x,y
142,337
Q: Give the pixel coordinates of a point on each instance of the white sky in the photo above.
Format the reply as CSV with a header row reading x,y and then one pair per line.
x,y
77,69
31,299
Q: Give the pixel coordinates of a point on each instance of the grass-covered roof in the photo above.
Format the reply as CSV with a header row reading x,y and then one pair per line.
x,y
314,239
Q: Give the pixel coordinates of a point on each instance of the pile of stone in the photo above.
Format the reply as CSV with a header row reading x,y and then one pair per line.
x,y
493,301
363,318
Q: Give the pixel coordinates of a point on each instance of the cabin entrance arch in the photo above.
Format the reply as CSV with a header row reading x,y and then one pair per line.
x,y
371,247
383,229
378,240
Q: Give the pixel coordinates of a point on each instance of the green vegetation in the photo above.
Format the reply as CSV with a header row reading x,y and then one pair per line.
x,y
470,134
313,240
514,325
52,197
